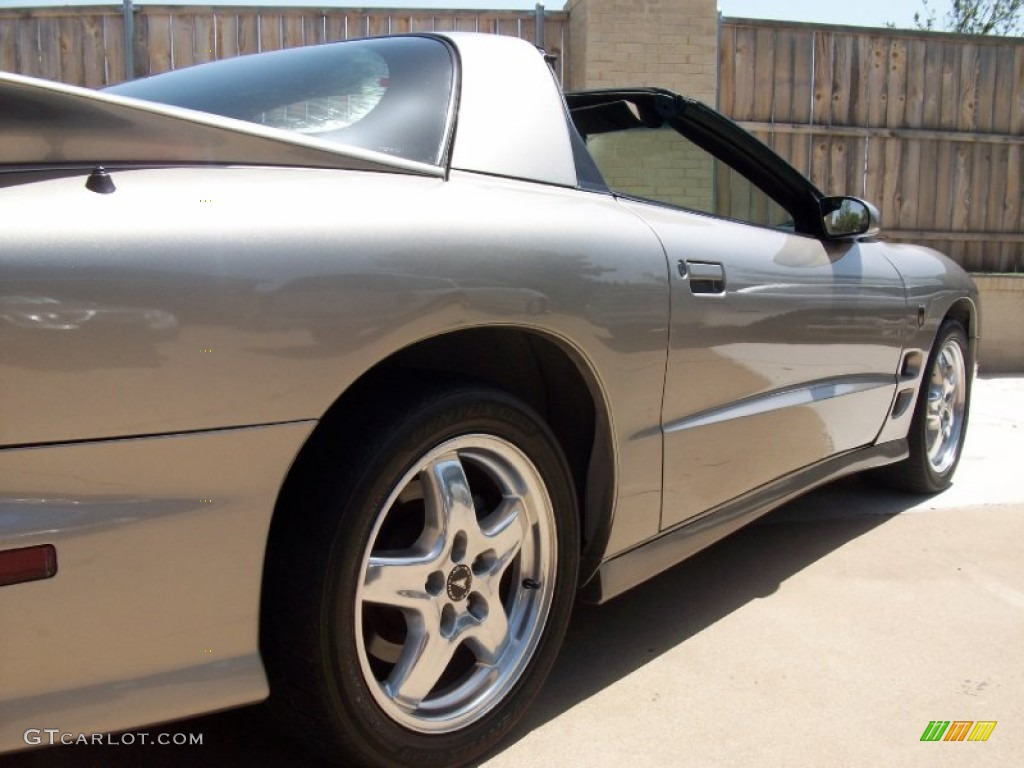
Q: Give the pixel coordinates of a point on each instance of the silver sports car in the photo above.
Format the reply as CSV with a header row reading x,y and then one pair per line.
x,y
335,375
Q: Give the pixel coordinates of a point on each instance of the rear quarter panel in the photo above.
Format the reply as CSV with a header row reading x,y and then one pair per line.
x,y
246,300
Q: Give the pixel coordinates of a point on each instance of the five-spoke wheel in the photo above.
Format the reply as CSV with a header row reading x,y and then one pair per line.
x,y
419,595
456,585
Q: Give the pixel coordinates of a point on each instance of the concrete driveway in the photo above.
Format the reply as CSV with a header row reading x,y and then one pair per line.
x,y
831,633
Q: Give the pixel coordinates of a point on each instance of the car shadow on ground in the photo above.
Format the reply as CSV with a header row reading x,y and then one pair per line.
x,y
604,644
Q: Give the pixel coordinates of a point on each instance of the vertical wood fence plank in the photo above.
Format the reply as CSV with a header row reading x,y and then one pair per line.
x,y
113,37
313,28
933,64
998,185
226,42
911,193
291,30
943,212
856,176
802,149
141,44
842,77
378,24
928,183
727,69
875,176
422,23
803,52
961,185
821,96
9,45
820,151
838,166
248,39
860,78
203,43
896,83
891,202
1002,86
270,31
1013,209
764,74
743,58
950,111
72,60
878,95
1017,92
182,42
159,42
986,111
335,26
981,170
27,46
916,84
782,95
93,53
967,119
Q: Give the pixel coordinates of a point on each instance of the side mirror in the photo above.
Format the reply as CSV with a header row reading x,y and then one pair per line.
x,y
848,217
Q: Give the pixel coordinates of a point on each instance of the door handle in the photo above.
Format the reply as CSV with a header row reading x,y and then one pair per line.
x,y
705,277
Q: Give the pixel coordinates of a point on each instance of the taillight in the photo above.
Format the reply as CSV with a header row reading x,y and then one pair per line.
x,y
27,564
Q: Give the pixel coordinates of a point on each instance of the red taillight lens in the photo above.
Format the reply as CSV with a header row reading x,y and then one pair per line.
x,y
27,564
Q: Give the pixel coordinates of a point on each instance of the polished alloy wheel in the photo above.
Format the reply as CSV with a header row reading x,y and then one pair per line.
x,y
946,406
456,584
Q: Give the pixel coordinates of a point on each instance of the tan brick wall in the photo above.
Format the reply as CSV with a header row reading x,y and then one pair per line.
x,y
667,43
1002,318
659,165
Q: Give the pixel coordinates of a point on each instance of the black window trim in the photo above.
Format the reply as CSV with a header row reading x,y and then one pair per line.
x,y
724,140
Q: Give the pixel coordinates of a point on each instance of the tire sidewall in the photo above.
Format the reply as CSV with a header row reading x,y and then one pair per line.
x,y
390,458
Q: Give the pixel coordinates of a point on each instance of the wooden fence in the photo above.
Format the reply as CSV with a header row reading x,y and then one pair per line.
x,y
928,127
86,45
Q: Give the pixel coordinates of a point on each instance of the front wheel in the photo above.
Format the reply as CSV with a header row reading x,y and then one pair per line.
x,y
939,424
445,591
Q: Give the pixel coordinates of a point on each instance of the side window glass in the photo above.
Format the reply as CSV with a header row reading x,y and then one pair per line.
x,y
661,165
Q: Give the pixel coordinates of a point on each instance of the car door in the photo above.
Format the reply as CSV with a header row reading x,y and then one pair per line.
x,y
784,344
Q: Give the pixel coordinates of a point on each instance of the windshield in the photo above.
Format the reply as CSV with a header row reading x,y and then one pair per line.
x,y
389,95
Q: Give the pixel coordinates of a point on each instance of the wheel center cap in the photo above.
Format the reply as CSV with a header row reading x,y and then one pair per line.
x,y
460,580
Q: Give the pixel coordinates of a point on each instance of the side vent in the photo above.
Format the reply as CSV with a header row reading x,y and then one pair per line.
x,y
903,401
911,367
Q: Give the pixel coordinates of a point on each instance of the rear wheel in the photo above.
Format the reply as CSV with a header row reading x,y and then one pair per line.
x,y
442,598
939,425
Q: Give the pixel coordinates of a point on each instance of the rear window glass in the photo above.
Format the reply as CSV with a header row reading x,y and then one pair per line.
x,y
390,95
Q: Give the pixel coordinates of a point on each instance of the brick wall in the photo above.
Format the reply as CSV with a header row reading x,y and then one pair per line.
x,y
656,164
668,43
1002,321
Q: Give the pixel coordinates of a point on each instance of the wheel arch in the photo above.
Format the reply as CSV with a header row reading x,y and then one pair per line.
x,y
545,372
965,312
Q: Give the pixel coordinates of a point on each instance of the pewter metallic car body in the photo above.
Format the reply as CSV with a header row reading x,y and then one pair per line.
x,y
170,346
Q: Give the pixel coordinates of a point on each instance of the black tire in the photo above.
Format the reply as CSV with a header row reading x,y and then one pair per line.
x,y
933,458
418,537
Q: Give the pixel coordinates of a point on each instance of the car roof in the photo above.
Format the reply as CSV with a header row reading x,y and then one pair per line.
x,y
511,122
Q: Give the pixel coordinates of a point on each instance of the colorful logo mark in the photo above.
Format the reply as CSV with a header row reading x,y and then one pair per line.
x,y
958,730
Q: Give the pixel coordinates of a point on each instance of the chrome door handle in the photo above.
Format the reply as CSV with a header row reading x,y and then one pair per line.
x,y
705,277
